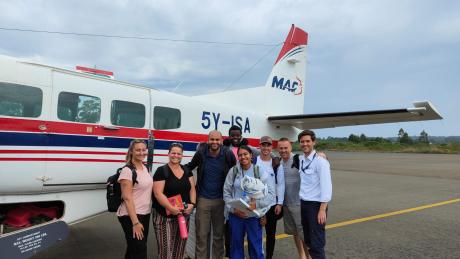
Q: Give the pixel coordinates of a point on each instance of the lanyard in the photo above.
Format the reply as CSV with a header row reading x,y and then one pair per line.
x,y
308,166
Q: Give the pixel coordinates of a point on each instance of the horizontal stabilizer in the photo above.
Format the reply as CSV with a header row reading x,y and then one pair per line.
x,y
420,112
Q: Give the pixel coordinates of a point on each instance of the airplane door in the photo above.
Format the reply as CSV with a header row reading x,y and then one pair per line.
x,y
171,122
94,121
23,134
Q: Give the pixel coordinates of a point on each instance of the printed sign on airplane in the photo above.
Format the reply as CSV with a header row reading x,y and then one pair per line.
x,y
294,86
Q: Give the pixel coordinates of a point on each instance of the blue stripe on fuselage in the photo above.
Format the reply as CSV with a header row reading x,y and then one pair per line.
x,y
58,140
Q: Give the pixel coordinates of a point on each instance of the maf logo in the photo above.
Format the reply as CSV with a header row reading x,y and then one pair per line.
x,y
294,86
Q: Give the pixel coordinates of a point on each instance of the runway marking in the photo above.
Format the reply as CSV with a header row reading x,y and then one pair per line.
x,y
379,216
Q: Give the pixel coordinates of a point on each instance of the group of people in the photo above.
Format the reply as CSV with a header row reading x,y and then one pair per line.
x,y
297,188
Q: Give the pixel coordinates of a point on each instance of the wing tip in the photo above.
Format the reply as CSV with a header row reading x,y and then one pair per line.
x,y
430,110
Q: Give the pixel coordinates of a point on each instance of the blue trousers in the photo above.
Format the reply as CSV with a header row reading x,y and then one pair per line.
x,y
314,233
239,227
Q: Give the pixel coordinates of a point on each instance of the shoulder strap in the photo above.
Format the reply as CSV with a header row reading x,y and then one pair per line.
x,y
119,170
255,168
296,161
275,165
254,159
133,172
235,172
134,176
256,172
227,154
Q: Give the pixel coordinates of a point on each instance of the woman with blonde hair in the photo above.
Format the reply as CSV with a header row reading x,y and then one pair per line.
x,y
136,190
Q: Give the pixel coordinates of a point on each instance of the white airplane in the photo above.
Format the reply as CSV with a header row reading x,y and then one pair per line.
x,y
63,132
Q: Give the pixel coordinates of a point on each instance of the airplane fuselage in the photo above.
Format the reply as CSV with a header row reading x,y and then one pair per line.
x,y
70,131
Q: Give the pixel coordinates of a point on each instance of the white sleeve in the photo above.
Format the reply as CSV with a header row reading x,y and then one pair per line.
x,y
270,199
280,187
325,181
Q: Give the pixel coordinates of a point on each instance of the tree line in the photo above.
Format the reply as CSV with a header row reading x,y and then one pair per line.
x,y
403,138
401,142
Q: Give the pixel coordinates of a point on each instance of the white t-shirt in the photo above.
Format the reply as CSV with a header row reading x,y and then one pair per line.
x,y
267,167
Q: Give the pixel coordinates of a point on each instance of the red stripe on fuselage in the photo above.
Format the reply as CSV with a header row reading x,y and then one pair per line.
x,y
72,128
54,127
60,159
69,152
65,160
60,152
8,124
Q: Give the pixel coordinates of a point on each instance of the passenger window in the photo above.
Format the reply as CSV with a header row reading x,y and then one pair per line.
x,y
79,107
20,100
166,118
128,114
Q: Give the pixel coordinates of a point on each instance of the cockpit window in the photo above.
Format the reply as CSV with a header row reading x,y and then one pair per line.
x,y
20,100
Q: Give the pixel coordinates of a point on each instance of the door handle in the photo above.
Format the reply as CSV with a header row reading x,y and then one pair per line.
x,y
110,127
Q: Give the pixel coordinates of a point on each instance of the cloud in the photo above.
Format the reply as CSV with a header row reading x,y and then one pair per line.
x,y
361,54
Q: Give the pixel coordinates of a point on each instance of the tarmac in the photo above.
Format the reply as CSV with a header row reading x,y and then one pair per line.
x,y
385,205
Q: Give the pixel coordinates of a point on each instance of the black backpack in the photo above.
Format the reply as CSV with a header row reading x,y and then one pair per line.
x,y
113,195
296,162
276,163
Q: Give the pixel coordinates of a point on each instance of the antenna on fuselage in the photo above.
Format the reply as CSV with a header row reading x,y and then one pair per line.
x,y
251,67
177,86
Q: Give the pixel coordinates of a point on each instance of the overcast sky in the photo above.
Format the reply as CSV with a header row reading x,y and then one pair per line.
x,y
362,55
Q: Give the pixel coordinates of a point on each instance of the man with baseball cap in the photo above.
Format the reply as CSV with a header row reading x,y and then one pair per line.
x,y
276,179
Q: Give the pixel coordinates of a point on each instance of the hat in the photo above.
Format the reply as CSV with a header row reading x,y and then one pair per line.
x,y
266,139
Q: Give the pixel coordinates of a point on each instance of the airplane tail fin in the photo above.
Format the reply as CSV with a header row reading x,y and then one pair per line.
x,y
284,90
285,87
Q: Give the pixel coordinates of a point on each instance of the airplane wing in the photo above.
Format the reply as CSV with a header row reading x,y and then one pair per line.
x,y
421,111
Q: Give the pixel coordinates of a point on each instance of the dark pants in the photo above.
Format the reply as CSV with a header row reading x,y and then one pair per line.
x,y
227,238
270,231
314,233
136,249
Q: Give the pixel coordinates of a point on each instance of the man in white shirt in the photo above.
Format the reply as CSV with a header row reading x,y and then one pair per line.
x,y
276,179
315,193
